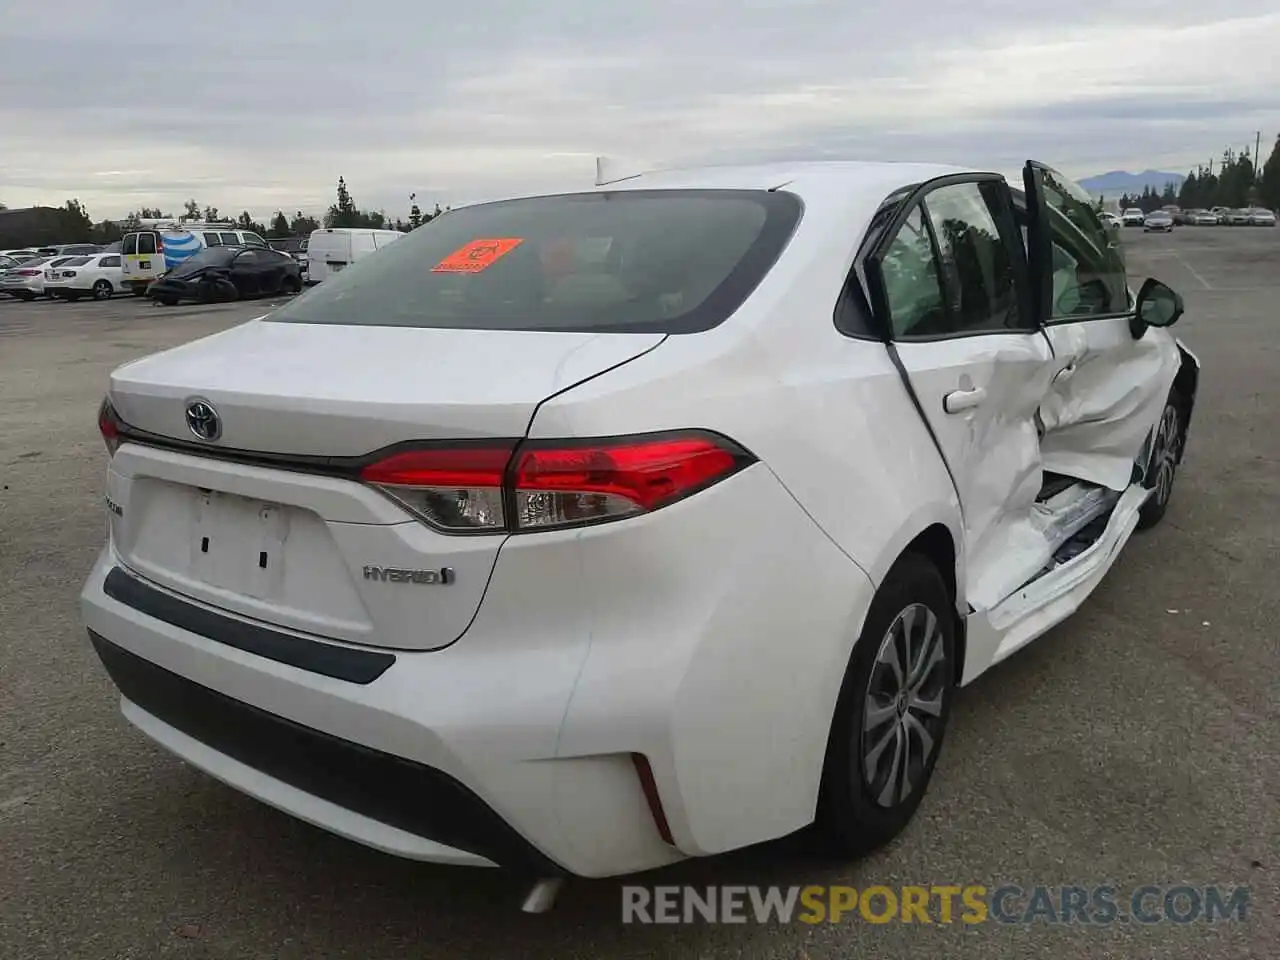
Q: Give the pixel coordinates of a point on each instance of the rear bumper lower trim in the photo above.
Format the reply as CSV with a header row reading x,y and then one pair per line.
x,y
326,659
400,793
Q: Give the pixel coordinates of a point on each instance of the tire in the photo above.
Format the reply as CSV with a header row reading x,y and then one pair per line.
x,y
861,806
1162,467
168,301
102,290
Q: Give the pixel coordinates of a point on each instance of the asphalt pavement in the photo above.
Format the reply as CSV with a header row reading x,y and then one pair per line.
x,y
1139,743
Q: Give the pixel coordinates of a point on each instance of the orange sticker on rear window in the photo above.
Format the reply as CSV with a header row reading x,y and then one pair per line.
x,y
477,255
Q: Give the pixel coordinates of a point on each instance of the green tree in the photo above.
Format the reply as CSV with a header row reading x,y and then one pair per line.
x,y
191,210
1269,187
344,212
1170,194
211,214
74,223
106,232
303,225
415,213
279,225
246,222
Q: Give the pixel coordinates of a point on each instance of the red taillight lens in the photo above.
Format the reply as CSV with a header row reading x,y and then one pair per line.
x,y
455,488
565,485
472,489
28,273
109,426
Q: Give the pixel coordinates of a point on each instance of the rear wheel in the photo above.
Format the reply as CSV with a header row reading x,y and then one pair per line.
x,y
102,290
892,712
1162,468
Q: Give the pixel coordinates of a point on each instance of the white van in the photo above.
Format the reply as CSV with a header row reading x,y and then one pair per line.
x,y
160,245
332,248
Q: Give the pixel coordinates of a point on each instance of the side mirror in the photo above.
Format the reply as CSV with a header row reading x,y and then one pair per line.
x,y
1157,306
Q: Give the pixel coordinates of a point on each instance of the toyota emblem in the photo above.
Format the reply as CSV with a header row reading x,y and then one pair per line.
x,y
203,420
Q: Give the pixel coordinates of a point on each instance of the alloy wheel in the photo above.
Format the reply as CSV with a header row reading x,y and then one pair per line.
x,y
1164,459
902,716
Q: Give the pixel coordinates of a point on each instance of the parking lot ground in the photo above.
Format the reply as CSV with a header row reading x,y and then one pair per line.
x,y
1139,743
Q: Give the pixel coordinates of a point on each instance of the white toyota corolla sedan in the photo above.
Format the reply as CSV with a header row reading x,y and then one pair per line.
x,y
581,534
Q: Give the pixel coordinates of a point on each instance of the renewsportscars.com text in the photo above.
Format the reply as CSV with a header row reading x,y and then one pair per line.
x,y
941,904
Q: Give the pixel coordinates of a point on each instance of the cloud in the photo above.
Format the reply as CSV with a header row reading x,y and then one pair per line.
x,y
263,106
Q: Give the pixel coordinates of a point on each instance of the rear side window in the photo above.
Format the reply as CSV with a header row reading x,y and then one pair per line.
x,y
212,240
253,240
77,261
146,243
670,261
109,262
230,239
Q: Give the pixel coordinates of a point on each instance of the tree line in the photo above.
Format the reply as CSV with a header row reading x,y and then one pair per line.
x,y
1236,183
71,222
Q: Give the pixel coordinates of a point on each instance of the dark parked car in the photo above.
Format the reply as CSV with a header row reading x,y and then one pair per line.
x,y
228,273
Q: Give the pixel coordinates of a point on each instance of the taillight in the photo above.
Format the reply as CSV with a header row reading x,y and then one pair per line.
x,y
570,484
109,426
28,273
456,488
543,485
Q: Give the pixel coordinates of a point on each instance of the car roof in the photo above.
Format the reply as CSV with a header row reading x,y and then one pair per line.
x,y
812,179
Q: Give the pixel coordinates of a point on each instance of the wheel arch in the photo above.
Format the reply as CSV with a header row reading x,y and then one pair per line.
x,y
937,545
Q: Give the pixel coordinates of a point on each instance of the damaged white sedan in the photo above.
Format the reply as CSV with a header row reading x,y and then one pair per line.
x,y
581,534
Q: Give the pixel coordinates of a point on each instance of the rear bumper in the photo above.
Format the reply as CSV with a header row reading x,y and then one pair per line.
x,y
713,647
402,807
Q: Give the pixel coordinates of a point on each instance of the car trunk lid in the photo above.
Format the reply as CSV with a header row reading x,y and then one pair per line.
x,y
255,523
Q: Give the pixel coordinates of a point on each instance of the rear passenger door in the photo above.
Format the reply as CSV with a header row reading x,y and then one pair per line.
x,y
955,289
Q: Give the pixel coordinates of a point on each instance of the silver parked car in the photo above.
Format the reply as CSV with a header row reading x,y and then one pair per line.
x,y
1160,221
1262,217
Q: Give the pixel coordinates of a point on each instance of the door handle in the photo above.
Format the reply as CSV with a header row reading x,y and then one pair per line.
x,y
958,400
1065,374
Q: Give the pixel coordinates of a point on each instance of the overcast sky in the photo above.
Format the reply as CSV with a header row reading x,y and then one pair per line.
x,y
263,105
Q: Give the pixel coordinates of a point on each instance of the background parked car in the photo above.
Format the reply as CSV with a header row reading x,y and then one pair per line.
x,y
331,250
1238,218
97,276
152,252
1202,218
228,273
69,250
26,280
1158,221
1261,217
1132,216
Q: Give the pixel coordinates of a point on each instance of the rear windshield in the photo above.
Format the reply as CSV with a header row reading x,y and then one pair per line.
x,y
669,261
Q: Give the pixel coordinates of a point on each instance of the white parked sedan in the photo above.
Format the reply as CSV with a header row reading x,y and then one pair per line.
x,y
1261,217
26,280
644,523
96,276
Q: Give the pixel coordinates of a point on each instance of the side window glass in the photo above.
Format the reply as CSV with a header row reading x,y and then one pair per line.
x,y
212,240
977,266
230,239
129,245
253,240
911,281
1088,272
146,243
109,262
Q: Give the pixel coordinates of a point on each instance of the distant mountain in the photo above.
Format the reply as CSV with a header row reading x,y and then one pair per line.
x,y
1117,182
